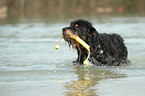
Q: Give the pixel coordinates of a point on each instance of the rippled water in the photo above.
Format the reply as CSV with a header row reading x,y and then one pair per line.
x,y
30,66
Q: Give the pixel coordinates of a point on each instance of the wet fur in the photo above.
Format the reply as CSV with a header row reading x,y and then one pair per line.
x,y
106,49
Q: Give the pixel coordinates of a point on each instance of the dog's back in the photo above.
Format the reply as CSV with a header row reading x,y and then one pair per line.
x,y
113,47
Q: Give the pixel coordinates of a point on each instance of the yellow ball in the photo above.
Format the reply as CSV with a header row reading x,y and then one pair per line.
x,y
86,62
57,47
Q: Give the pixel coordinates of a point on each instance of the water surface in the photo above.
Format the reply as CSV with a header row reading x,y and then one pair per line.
x,y
29,64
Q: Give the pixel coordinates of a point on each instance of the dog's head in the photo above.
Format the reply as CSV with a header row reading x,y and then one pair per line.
x,y
81,28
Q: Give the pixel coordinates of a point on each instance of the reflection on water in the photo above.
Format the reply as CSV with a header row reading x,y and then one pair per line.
x,y
87,80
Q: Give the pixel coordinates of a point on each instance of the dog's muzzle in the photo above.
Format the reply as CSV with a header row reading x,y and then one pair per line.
x,y
66,31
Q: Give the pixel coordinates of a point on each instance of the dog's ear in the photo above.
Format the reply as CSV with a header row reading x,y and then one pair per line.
x,y
92,31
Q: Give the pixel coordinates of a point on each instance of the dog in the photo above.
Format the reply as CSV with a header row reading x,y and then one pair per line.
x,y
105,49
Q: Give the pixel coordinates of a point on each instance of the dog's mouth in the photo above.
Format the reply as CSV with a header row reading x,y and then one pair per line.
x,y
67,33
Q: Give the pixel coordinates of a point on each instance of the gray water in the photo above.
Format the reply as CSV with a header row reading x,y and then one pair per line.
x,y
30,65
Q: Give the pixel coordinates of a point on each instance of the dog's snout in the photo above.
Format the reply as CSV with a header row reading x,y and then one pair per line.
x,y
64,30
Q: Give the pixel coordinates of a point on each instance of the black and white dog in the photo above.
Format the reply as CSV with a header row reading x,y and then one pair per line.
x,y
105,49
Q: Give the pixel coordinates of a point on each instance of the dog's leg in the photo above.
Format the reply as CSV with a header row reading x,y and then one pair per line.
x,y
77,60
78,53
81,56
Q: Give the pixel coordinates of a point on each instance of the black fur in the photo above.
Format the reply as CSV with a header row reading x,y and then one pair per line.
x,y
106,49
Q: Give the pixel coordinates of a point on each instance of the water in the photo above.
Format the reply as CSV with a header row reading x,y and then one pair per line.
x,y
30,66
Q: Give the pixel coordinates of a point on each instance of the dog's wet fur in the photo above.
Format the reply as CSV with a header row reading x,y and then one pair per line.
x,y
105,49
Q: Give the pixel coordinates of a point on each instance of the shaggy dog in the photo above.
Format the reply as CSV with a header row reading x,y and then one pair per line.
x,y
105,49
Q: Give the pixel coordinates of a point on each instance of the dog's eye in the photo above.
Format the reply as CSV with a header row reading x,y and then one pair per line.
x,y
77,26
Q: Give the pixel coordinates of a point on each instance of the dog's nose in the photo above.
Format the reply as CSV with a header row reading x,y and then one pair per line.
x,y
65,29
